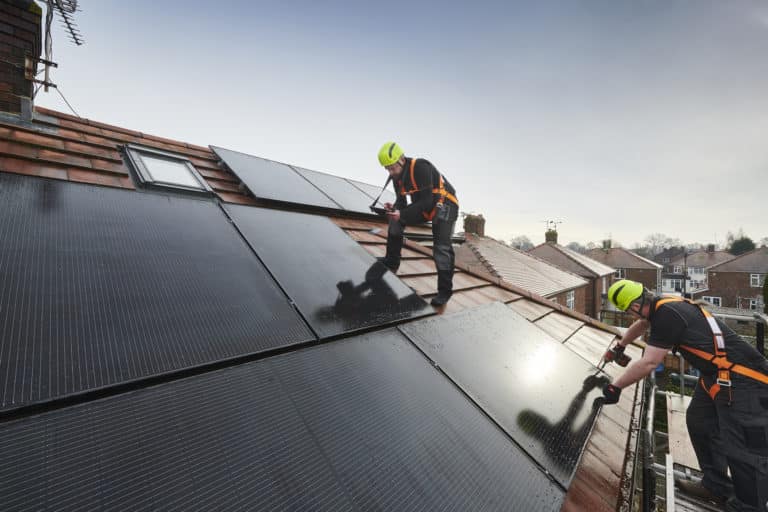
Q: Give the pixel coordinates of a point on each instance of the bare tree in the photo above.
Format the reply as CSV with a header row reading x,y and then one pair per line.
x,y
521,242
657,242
577,247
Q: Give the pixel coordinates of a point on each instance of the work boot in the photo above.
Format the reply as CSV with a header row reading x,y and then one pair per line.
x,y
697,490
444,288
391,260
390,263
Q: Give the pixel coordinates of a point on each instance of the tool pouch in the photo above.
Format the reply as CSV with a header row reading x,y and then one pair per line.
x,y
443,213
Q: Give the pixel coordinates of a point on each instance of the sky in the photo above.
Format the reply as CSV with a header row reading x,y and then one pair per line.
x,y
618,118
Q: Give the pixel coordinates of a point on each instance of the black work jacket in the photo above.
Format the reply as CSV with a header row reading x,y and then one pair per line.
x,y
425,178
681,323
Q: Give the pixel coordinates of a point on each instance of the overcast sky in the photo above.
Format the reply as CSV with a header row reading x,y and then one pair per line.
x,y
620,118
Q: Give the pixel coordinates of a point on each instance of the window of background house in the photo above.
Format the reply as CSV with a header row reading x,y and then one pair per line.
x,y
570,299
754,304
676,284
619,273
715,301
164,169
677,269
756,280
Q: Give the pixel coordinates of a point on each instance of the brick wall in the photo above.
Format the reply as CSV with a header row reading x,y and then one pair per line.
x,y
645,276
729,286
20,35
580,297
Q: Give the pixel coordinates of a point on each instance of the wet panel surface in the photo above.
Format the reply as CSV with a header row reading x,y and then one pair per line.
x,y
100,286
273,180
540,392
335,283
359,424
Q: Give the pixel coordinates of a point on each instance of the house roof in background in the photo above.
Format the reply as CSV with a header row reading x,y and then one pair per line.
x,y
618,257
590,266
754,261
702,259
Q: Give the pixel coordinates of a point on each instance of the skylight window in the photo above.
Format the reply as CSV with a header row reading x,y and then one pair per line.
x,y
163,169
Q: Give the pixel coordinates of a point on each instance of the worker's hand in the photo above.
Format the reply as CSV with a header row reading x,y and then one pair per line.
x,y
611,394
617,355
388,206
394,215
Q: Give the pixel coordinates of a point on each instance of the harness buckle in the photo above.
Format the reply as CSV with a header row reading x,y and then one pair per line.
x,y
725,383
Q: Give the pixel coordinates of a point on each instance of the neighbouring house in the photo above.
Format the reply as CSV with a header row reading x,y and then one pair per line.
x,y
495,259
738,282
687,272
597,275
192,327
668,254
629,265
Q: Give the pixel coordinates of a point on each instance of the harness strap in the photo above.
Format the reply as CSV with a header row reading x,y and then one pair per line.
x,y
719,358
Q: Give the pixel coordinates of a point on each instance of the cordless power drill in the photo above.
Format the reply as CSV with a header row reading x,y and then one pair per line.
x,y
617,355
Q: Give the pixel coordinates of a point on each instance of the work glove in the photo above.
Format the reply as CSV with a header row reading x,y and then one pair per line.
x,y
611,394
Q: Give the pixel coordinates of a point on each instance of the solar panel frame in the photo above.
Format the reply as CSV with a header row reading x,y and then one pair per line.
x,y
340,190
271,180
101,286
364,423
336,284
542,394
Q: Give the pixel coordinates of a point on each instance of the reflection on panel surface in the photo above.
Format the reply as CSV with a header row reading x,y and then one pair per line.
x,y
386,197
359,424
336,284
340,190
272,180
100,286
540,392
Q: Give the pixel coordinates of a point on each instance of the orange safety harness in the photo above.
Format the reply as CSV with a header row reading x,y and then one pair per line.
x,y
719,358
441,191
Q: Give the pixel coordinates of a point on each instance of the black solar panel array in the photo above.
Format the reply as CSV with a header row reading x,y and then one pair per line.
x,y
336,284
359,424
541,393
100,286
276,181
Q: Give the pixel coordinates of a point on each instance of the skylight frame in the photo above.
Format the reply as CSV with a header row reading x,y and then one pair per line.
x,y
136,153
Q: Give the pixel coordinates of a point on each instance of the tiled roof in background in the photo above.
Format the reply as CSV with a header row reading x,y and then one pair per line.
x,y
516,267
584,265
618,257
753,261
702,259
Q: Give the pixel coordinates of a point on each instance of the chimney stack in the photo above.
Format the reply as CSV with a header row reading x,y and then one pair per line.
x,y
20,47
606,244
474,224
550,236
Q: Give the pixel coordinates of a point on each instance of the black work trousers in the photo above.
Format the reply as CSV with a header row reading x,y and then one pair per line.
x,y
442,250
732,436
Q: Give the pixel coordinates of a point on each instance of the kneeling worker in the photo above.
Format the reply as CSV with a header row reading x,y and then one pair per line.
x,y
728,416
432,199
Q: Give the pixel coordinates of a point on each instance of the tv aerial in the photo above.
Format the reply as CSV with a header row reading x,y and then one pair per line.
x,y
66,10
551,224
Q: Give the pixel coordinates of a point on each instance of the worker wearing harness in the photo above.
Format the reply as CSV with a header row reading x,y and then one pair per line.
x,y
728,416
432,199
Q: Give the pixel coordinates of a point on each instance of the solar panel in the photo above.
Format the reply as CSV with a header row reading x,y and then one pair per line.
x,y
336,284
373,191
340,190
359,424
100,286
273,180
540,392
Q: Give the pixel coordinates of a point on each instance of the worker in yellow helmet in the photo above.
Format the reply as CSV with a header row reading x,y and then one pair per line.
x,y
728,415
432,199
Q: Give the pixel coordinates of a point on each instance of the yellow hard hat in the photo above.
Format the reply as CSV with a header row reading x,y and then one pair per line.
x,y
390,153
624,292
